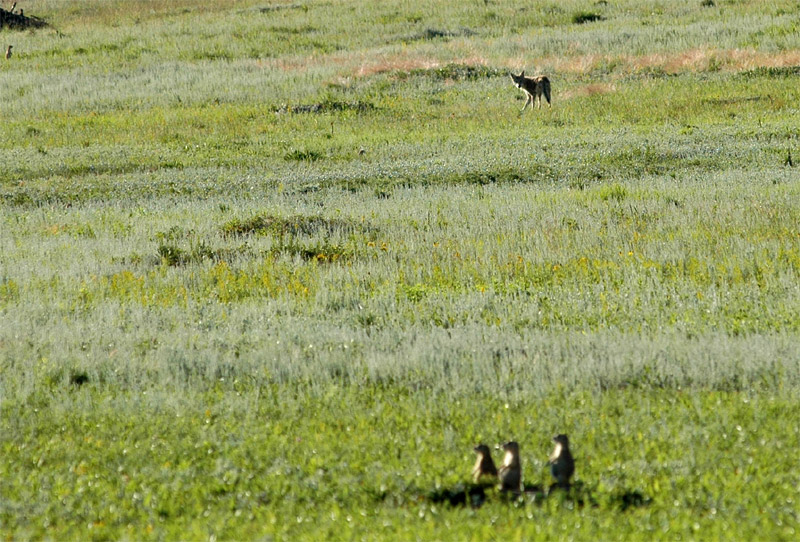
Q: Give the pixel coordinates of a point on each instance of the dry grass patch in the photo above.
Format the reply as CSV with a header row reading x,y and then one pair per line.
x,y
589,90
689,61
408,63
699,60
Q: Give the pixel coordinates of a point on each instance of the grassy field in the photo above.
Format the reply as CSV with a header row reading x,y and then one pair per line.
x,y
269,270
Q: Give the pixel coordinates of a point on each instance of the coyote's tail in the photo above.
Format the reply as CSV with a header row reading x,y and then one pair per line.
x,y
546,89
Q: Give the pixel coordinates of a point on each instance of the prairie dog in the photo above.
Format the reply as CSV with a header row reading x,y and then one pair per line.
x,y
484,465
510,473
562,466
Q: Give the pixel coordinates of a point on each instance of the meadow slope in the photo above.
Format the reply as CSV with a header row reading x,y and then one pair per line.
x,y
269,270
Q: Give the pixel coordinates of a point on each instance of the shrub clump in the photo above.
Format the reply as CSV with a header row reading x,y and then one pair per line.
x,y
582,17
300,155
455,72
172,255
435,33
772,71
326,106
291,225
320,253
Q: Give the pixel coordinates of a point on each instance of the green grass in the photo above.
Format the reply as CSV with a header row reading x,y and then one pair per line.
x,y
244,461
270,270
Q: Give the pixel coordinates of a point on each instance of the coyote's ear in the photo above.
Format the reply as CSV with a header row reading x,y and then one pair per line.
x,y
522,74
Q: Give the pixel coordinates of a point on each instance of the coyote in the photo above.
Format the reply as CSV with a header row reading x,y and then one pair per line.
x,y
533,87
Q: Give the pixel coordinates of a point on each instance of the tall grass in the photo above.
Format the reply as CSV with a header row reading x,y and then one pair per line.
x,y
667,268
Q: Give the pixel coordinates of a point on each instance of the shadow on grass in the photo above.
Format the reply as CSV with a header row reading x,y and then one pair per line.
x,y
438,34
18,21
578,495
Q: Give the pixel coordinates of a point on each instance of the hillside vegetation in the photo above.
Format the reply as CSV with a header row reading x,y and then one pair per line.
x,y
270,270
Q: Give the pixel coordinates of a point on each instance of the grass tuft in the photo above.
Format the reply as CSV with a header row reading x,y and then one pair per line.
x,y
454,72
436,34
303,155
293,225
327,106
320,252
172,255
772,72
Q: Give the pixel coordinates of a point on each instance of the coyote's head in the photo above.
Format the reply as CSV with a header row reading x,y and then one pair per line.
x,y
518,79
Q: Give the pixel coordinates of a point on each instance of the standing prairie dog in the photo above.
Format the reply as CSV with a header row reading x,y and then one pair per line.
x,y
562,466
484,465
510,473
8,52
